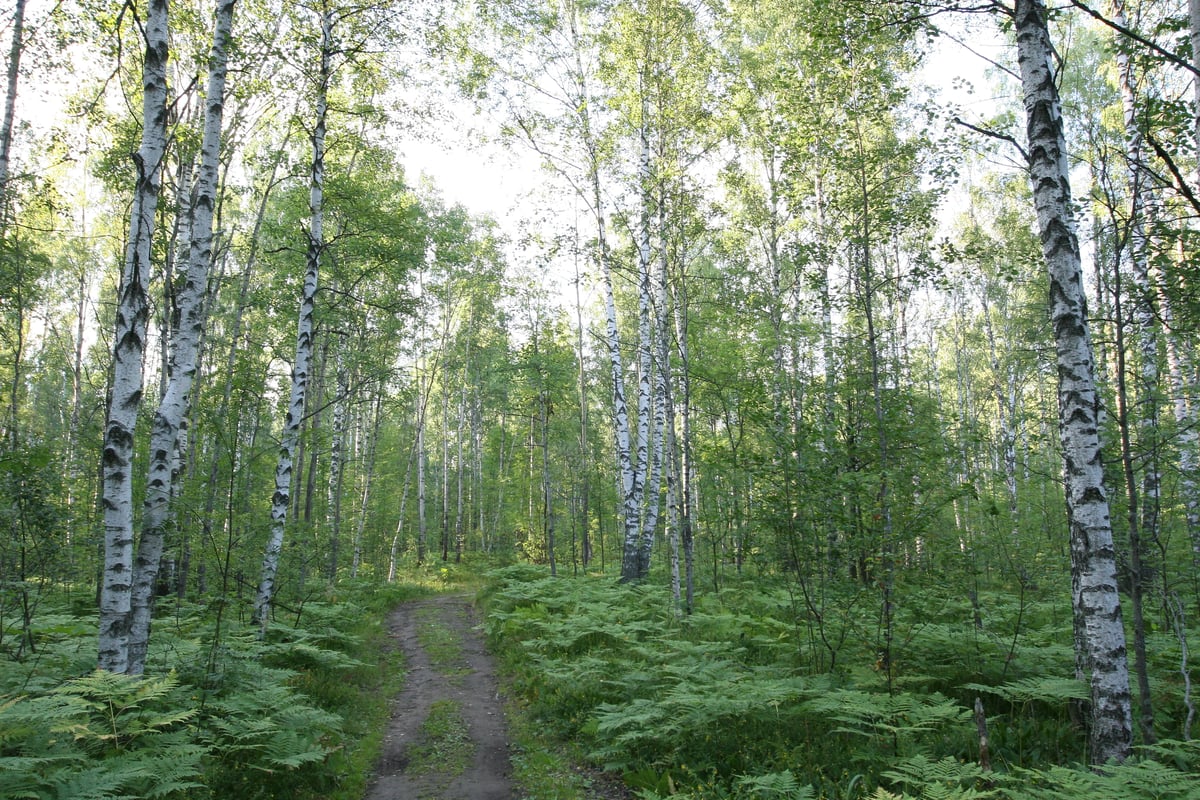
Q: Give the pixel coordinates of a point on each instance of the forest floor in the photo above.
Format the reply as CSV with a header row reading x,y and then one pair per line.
x,y
447,738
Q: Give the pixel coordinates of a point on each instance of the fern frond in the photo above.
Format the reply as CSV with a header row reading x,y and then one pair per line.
x,y
946,779
1037,689
772,785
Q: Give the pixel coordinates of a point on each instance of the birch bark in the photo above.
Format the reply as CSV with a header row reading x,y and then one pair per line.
x,y
684,469
302,364
631,561
185,348
337,460
128,348
10,98
1194,37
376,418
1093,560
621,433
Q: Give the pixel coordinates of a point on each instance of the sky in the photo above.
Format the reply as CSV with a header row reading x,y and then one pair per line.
x,y
470,167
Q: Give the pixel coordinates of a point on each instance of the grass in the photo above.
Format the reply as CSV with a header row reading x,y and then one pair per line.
x,y
444,747
541,770
442,645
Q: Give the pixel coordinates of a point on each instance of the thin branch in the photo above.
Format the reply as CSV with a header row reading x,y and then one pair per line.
x,y
1137,37
942,34
1004,137
1180,182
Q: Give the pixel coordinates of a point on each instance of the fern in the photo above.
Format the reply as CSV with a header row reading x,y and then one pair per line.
x,y
1134,780
773,786
115,711
100,736
946,779
269,729
1050,690
902,717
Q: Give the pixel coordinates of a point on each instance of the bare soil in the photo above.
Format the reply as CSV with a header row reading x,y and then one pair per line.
x,y
460,673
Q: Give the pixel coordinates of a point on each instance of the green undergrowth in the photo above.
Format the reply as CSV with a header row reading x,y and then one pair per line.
x,y
440,643
218,714
742,699
543,767
444,748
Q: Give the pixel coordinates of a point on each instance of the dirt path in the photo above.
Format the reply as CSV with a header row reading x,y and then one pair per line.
x,y
446,739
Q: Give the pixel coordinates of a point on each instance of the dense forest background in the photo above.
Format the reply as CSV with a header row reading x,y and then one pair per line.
x,y
781,340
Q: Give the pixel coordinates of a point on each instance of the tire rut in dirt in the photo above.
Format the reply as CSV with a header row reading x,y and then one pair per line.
x,y
461,675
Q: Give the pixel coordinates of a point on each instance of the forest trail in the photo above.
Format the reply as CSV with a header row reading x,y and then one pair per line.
x,y
446,739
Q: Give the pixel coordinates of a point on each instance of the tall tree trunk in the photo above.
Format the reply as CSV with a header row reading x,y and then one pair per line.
x,y
584,454
128,348
185,349
630,506
394,552
422,456
368,479
1004,387
1093,559
669,447
867,285
445,453
1194,37
235,337
10,104
337,461
632,566
302,364
1143,529
547,488
458,469
685,468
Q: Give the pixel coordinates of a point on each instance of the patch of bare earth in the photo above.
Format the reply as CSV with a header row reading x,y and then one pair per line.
x,y
447,668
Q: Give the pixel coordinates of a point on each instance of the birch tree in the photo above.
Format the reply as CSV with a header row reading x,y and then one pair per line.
x,y
185,348
303,360
1101,636
10,100
128,349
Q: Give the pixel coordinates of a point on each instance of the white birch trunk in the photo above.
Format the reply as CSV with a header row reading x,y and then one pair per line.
x,y
1194,37
547,488
167,427
662,405
128,350
1093,560
667,436
684,453
1181,370
394,552
584,456
444,542
422,524
337,465
1181,374
1188,438
1004,386
10,100
337,459
625,477
368,479
631,562
302,365
459,536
